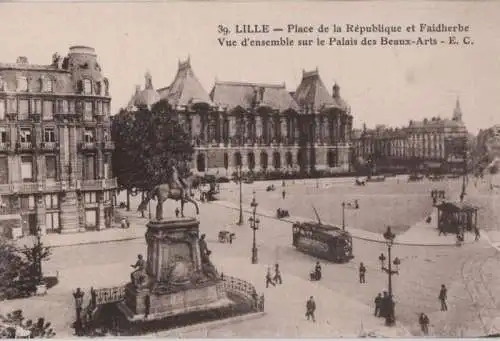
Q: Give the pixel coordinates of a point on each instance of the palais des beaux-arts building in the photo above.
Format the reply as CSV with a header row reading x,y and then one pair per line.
x,y
258,127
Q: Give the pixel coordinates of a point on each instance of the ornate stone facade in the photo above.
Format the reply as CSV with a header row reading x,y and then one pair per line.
x,y
260,127
55,147
426,143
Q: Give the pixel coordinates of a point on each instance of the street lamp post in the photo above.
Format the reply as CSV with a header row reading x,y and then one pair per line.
x,y
240,220
254,225
78,295
343,215
390,317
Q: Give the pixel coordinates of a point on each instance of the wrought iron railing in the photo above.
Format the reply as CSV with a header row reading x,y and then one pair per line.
x,y
245,289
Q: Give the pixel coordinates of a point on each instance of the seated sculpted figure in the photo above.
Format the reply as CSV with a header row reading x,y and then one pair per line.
x,y
206,265
138,276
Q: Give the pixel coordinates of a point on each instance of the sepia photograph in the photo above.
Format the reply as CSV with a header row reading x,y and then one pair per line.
x,y
281,169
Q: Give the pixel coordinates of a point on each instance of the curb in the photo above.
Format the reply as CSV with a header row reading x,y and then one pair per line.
x,y
93,242
177,332
353,236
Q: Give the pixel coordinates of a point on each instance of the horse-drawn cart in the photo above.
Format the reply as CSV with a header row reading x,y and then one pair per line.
x,y
226,237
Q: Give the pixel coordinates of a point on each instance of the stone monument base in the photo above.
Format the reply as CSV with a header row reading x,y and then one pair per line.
x,y
162,305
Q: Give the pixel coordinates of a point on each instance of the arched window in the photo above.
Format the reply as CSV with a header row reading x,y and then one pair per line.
x,y
331,158
226,161
263,160
200,162
251,161
289,159
87,87
237,159
276,160
98,88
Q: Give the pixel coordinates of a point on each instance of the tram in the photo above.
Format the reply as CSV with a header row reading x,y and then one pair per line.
x,y
323,241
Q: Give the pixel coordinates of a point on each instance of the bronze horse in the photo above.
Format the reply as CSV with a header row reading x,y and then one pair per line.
x,y
166,191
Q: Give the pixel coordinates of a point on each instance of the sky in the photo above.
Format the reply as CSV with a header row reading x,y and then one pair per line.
x,y
383,85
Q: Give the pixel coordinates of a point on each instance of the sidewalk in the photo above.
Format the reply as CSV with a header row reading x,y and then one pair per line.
x,y
420,234
136,231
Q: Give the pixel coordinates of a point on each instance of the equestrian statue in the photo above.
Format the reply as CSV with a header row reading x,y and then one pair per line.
x,y
176,189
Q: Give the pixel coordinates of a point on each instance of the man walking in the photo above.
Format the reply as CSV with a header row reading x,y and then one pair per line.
x,y
269,278
378,304
476,234
177,212
423,320
362,272
310,309
442,297
277,274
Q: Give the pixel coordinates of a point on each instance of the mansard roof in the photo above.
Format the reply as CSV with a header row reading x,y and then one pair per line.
x,y
146,97
248,96
186,89
312,94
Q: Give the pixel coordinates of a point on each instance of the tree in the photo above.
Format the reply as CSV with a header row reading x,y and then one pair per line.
x,y
13,325
35,255
12,266
147,144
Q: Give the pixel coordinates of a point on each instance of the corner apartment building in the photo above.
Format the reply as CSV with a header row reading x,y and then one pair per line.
x,y
55,147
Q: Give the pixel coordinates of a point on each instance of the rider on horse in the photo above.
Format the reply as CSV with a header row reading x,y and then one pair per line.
x,y
179,182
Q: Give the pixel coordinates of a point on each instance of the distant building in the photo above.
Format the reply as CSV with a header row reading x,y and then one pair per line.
x,y
260,127
432,144
55,148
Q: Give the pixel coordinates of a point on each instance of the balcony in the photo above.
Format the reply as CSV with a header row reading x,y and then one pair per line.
x,y
108,145
24,146
89,146
96,185
49,146
4,147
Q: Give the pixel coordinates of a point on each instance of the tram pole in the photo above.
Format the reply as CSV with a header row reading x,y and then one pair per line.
x,y
240,221
343,215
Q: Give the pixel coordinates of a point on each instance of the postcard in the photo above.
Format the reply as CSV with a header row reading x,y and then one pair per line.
x,y
279,169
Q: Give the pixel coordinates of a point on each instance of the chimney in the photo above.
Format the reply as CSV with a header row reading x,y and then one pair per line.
x,y
22,60
137,89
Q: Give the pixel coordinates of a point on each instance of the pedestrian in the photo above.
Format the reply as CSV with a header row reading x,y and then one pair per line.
x,y
231,236
310,309
476,233
177,212
269,278
362,272
378,304
277,274
384,305
423,320
442,297
283,194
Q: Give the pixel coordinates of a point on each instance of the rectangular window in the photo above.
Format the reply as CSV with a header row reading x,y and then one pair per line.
x,y
51,201
48,110
107,196
71,107
52,221
3,135
87,111
98,107
64,107
51,166
25,135
26,168
88,135
2,109
4,170
87,86
11,105
89,167
28,202
90,197
36,106
90,218
49,135
24,108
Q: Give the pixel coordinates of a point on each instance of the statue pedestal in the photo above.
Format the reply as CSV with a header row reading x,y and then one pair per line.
x,y
176,282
